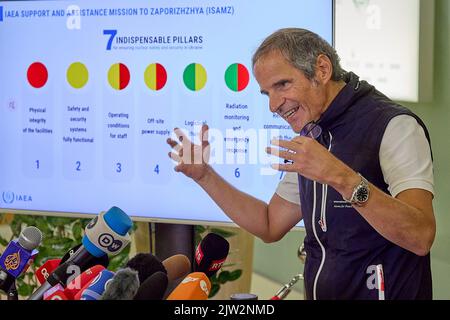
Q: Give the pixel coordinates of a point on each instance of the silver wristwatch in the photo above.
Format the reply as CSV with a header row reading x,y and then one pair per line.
x,y
360,193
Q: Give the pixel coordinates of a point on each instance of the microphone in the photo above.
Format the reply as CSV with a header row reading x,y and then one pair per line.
x,y
177,266
50,265
52,290
76,285
44,271
70,253
196,286
18,256
103,260
58,294
244,296
123,286
95,289
12,293
210,254
145,264
106,234
286,289
153,287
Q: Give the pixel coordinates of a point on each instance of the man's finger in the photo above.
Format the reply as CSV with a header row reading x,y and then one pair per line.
x,y
204,134
181,136
172,142
174,157
283,167
289,145
280,153
179,167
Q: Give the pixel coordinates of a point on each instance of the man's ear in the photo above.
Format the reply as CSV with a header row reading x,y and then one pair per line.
x,y
324,69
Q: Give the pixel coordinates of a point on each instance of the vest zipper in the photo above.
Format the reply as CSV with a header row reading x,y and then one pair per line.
x,y
323,219
323,211
320,244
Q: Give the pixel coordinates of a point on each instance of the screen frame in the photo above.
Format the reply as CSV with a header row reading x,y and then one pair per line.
x,y
193,222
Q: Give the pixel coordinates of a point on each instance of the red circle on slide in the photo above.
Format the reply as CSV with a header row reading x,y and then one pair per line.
x,y
37,75
124,76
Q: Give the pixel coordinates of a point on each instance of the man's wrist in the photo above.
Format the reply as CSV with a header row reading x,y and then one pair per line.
x,y
360,194
203,180
346,183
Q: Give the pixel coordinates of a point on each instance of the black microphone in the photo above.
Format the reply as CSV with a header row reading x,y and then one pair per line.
x,y
145,264
106,234
18,256
210,254
153,287
103,260
12,293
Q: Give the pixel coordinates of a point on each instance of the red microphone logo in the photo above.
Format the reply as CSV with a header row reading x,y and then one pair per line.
x,y
199,254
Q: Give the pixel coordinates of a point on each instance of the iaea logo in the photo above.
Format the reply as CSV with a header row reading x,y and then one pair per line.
x,y
1,13
8,196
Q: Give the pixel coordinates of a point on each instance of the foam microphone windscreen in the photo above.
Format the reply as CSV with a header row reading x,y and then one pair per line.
x,y
123,286
145,264
210,254
153,287
177,266
196,286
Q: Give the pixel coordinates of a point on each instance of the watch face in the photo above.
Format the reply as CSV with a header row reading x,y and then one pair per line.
x,y
362,195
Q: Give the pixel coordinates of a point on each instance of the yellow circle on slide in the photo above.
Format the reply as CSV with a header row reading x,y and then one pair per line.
x,y
77,75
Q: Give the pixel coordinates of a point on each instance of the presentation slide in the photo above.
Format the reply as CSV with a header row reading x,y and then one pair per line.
x,y
91,90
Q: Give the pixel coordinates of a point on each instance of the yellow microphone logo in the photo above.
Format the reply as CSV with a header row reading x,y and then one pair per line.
x,y
12,261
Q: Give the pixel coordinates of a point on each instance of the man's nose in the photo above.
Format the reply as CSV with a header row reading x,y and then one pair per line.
x,y
275,103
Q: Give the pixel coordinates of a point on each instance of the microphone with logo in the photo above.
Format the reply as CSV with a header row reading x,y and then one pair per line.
x,y
106,234
78,283
50,265
96,288
74,286
210,255
196,286
18,256
47,267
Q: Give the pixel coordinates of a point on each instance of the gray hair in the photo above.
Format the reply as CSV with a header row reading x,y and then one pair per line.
x,y
301,48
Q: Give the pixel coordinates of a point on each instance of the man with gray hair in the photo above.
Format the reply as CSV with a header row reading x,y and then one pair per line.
x,y
359,173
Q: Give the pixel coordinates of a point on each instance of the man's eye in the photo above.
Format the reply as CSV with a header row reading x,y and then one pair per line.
x,y
283,84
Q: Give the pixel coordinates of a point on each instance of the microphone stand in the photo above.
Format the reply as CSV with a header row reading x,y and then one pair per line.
x,y
286,289
12,292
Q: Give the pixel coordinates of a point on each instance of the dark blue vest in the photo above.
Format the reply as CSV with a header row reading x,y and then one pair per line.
x,y
343,250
